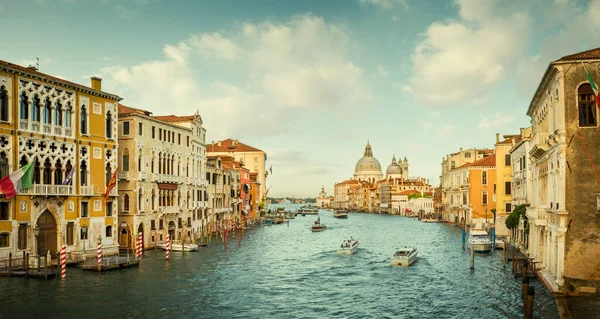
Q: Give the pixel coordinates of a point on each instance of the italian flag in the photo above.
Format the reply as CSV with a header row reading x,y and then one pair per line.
x,y
21,179
593,85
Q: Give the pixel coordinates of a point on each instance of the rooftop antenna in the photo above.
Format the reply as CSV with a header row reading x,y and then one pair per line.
x,y
37,63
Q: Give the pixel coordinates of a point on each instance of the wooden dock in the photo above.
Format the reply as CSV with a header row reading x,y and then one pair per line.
x,y
110,263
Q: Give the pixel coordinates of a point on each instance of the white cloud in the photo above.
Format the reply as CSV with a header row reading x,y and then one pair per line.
x,y
435,113
495,122
458,62
124,13
286,69
446,129
386,4
427,127
383,71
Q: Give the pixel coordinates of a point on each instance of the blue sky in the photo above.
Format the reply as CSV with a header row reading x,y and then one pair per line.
x,y
310,82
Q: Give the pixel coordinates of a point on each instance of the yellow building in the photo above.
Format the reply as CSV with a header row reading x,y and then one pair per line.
x,y
503,189
64,127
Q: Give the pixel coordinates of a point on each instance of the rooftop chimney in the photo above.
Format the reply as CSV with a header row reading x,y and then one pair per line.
x,y
461,149
96,83
497,137
219,143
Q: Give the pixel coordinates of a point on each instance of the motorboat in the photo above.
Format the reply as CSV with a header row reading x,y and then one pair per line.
x,y
500,241
317,226
178,246
480,240
348,247
404,256
310,211
429,220
340,214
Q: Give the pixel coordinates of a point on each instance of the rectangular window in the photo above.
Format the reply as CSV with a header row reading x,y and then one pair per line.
x,y
108,231
140,128
97,153
179,223
85,209
188,141
97,108
506,159
109,209
152,224
4,211
125,128
178,139
507,188
160,134
4,240
524,161
70,233
22,236
153,132
160,224
452,165
508,207
467,154
97,205
189,221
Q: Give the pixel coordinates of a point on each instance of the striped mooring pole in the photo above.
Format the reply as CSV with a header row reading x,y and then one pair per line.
x,y
63,261
99,256
140,245
168,246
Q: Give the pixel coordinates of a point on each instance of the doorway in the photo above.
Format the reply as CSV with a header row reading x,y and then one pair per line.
x,y
46,240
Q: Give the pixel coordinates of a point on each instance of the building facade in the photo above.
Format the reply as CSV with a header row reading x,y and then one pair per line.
x,y
69,131
323,200
503,188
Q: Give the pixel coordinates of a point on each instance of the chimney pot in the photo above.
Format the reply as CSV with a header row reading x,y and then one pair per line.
x,y
96,83
497,137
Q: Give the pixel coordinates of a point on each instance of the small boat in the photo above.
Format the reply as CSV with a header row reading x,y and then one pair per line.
x,y
177,246
348,247
480,240
340,214
310,211
404,257
429,220
317,226
500,240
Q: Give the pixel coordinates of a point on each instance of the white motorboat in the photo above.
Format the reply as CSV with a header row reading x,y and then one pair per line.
x,y
176,246
404,256
340,214
348,247
429,220
480,240
500,240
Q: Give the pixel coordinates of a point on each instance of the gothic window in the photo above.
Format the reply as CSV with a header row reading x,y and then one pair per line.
x,y
84,120
4,107
484,178
152,164
47,113
68,168
58,114
68,111
153,199
58,173
140,199
126,202
47,172
126,160
484,198
160,163
109,124
587,110
37,174
36,109
24,106
108,173
3,165
83,173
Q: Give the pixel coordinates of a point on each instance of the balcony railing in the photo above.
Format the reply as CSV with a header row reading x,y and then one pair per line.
x,y
124,175
68,131
47,128
58,130
142,176
36,126
52,190
86,190
24,125
166,178
168,209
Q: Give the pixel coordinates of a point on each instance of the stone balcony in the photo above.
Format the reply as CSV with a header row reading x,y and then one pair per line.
x,y
86,190
123,175
142,176
169,209
48,129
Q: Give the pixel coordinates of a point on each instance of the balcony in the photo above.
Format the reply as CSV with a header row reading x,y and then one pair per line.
x,y
539,144
24,125
49,190
47,129
68,131
86,190
142,176
58,130
168,209
123,175
165,178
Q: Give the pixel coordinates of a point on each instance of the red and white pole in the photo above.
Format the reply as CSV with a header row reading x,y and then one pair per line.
x,y
63,261
168,245
140,245
99,256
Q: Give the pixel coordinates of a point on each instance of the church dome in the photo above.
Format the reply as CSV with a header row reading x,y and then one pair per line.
x,y
394,168
367,162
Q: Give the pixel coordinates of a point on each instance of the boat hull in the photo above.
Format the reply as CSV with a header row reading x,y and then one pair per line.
x,y
179,247
403,261
482,247
318,229
347,251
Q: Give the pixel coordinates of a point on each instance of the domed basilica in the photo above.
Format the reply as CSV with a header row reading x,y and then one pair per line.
x,y
368,168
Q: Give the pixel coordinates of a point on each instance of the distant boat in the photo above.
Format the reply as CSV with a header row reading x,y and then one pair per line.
x,y
404,257
310,211
340,214
317,226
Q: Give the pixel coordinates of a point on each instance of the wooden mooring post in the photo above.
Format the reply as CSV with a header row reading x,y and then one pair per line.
x,y
27,266
472,256
528,305
9,264
524,290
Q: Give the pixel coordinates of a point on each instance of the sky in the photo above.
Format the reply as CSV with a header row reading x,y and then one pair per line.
x,y
310,82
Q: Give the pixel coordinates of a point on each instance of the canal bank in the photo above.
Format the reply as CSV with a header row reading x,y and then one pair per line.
x,y
286,271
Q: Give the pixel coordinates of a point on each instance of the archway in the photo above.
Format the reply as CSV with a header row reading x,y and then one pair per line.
x,y
46,239
124,236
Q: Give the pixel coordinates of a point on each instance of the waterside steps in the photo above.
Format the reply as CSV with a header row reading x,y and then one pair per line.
x,y
110,263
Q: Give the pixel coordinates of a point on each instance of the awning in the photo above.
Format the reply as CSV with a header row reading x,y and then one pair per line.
x,y
167,186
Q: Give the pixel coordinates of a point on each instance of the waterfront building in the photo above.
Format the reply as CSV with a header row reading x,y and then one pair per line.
x,y
421,205
323,200
69,130
161,177
254,197
252,158
219,192
437,199
476,183
503,188
341,193
564,149
449,190
400,203
234,170
522,184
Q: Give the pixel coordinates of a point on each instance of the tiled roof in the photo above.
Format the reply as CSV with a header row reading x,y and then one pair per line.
x,y
53,78
507,139
350,181
175,118
128,110
592,54
408,192
486,161
228,146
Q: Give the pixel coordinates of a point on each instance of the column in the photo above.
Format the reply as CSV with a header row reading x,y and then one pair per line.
x,y
560,258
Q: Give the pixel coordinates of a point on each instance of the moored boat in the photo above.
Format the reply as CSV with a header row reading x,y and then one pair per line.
x,y
404,256
340,214
500,240
480,240
177,246
348,247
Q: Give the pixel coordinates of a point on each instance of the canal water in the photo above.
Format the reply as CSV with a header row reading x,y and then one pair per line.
x,y
286,271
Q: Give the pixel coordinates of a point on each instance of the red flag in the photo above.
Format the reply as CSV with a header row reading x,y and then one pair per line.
x,y
111,185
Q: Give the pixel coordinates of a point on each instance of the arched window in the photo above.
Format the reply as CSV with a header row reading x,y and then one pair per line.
x,y
58,114
126,202
68,111
35,109
23,106
587,109
109,124
484,178
160,163
152,163
4,107
47,114
153,199
83,173
37,177
126,160
484,198
58,173
84,120
140,200
68,168
179,199
47,172
108,231
108,174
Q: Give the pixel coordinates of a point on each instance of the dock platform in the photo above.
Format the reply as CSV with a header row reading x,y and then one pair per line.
x,y
110,263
